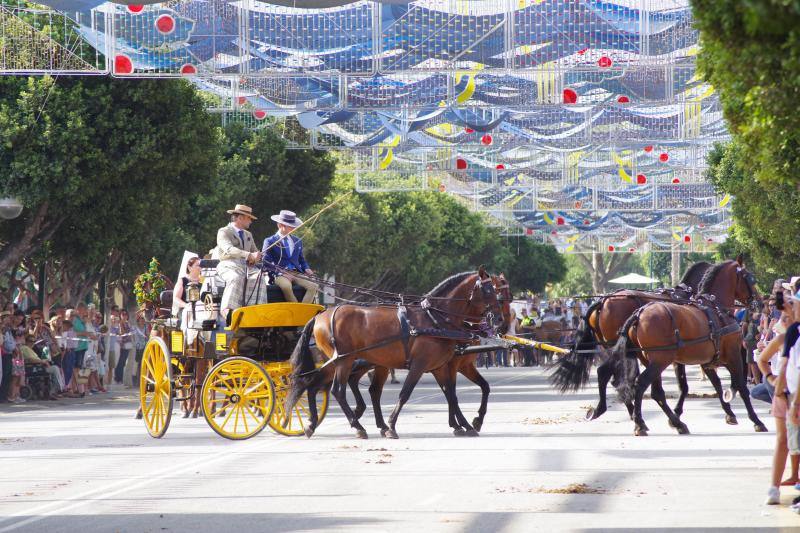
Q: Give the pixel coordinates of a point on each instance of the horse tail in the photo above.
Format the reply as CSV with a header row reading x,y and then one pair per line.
x,y
304,370
626,367
572,369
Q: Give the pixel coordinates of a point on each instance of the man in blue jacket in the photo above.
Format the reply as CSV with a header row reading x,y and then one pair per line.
x,y
288,254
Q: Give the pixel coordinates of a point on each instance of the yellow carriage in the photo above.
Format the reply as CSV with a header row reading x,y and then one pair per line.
x,y
245,389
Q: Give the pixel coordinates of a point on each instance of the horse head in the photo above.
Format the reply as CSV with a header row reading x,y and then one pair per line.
x,y
745,290
503,291
484,302
728,282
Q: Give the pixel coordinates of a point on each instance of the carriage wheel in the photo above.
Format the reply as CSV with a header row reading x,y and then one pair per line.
x,y
296,423
239,387
155,387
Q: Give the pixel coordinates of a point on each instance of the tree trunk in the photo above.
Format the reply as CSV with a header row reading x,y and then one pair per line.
x,y
24,243
603,270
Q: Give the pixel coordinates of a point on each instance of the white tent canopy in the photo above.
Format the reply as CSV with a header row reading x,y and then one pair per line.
x,y
632,278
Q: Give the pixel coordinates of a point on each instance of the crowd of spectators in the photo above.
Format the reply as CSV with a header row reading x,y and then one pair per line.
x,y
70,355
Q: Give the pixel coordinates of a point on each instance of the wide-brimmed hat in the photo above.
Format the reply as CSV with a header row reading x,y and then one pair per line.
x,y
241,209
287,218
790,286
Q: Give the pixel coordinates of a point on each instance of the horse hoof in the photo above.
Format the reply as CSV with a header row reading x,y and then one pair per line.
x,y
590,414
362,434
671,424
477,423
731,420
761,428
683,430
194,414
138,415
391,434
472,433
640,432
185,415
459,432
308,432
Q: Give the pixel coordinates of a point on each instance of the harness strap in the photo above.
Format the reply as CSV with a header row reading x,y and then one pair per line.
x,y
405,332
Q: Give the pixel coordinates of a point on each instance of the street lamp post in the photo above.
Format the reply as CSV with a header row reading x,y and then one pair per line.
x,y
10,208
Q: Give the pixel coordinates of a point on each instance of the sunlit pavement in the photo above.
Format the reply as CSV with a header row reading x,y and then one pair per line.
x,y
537,466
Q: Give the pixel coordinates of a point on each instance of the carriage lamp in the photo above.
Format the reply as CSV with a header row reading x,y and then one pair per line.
x,y
193,292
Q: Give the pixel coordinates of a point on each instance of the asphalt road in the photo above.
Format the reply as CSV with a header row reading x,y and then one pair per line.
x,y
538,466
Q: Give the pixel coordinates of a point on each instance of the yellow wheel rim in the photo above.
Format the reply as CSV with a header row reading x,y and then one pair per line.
x,y
155,387
238,398
298,418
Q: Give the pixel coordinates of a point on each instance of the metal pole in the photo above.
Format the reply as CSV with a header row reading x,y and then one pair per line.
x,y
42,285
676,265
103,297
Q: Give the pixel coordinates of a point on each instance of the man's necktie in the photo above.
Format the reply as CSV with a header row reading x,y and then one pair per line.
x,y
241,237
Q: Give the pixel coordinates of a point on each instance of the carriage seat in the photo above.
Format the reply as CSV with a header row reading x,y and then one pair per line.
x,y
275,294
165,304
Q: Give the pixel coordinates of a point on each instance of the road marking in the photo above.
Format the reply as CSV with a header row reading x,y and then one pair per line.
x,y
125,485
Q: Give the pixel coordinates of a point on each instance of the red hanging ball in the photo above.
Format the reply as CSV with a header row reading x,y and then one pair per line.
x,y
631,250
528,231
687,238
260,114
581,52
623,99
648,148
486,140
663,157
641,179
188,69
604,62
569,96
123,64
461,164
610,247
554,232
560,221
586,222
469,130
500,166
165,24
676,180
241,100
135,8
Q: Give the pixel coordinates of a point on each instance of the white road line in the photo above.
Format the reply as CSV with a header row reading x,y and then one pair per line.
x,y
125,485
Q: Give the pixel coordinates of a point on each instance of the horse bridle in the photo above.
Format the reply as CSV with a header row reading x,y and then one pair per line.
x,y
749,280
490,295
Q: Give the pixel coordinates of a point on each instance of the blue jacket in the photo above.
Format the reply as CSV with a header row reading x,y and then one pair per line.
x,y
279,254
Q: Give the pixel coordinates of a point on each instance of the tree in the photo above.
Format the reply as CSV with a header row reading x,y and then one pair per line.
x,y
408,242
604,267
750,52
767,216
577,279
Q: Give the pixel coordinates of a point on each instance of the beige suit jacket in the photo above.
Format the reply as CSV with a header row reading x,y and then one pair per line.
x,y
229,245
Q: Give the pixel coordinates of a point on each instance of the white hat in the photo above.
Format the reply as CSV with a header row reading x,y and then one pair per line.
x,y
790,286
287,218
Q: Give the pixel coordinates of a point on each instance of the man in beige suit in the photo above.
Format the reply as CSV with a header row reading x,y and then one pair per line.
x,y
237,251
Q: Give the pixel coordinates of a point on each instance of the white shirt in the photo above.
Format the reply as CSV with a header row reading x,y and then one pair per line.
x,y
793,368
287,241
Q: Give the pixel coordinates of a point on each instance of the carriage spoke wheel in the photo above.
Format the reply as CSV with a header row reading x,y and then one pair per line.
x,y
155,387
294,424
241,393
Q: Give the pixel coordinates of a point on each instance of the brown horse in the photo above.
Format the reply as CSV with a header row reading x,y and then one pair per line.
x,y
698,333
466,365
549,331
380,336
599,329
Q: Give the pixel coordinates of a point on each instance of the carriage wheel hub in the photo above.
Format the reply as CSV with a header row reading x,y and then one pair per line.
x,y
235,398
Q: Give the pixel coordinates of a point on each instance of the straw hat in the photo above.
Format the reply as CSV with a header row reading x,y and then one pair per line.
x,y
241,209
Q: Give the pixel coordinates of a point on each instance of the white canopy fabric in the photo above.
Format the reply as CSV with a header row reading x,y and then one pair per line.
x,y
632,278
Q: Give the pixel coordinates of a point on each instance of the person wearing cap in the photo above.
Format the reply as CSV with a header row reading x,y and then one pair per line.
x,y
236,250
286,251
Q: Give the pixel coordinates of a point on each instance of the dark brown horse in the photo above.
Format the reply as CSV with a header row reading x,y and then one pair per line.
x,y
704,333
380,337
599,329
465,365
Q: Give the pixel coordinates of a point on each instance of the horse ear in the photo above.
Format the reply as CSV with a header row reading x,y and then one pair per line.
x,y
740,260
481,271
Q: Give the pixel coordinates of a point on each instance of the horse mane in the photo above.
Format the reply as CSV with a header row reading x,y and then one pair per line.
x,y
710,275
691,272
449,284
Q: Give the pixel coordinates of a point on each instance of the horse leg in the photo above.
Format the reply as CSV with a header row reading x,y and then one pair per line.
x,y
375,391
461,420
604,373
340,393
471,373
658,394
730,417
643,381
441,379
736,368
359,369
414,373
683,385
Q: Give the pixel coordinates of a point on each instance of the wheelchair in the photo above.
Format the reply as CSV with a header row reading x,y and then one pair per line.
x,y
37,383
